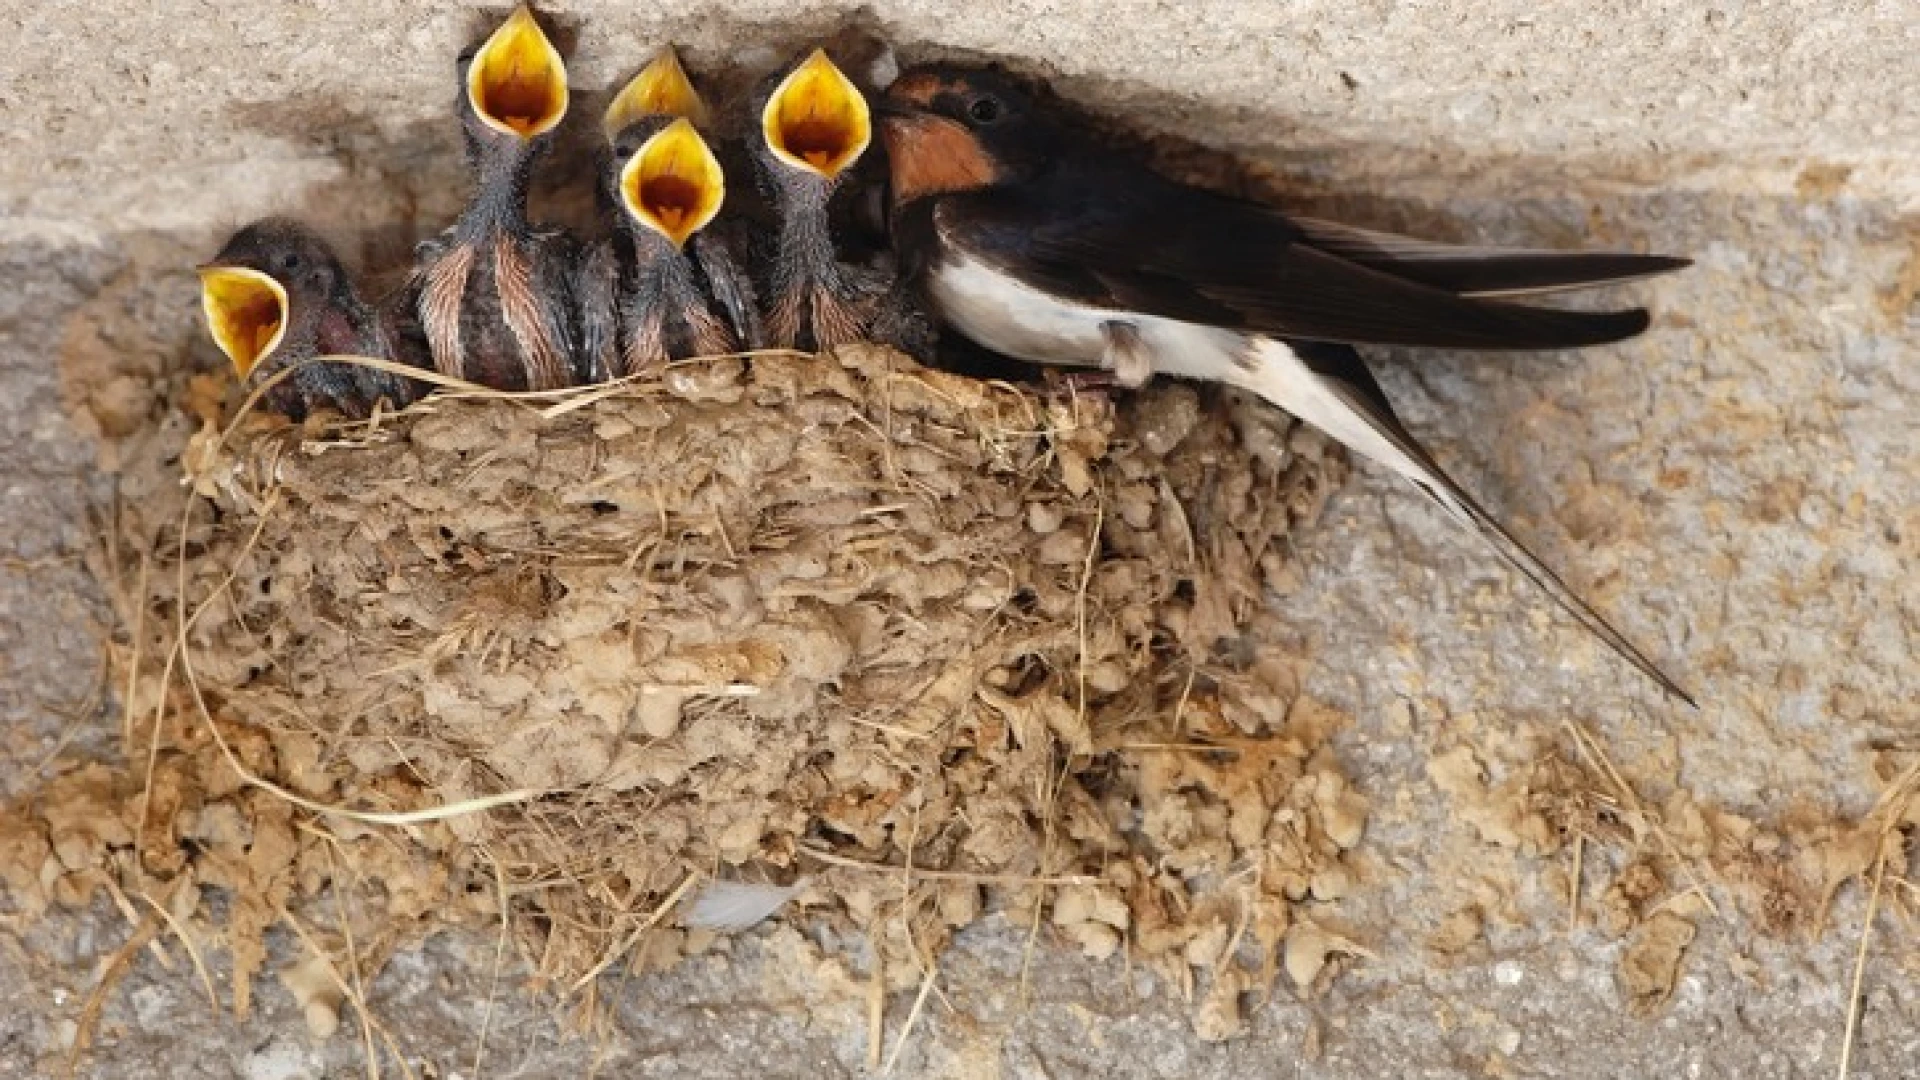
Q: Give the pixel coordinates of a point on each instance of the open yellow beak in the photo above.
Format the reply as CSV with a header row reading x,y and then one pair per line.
x,y
661,89
673,183
246,314
517,82
817,119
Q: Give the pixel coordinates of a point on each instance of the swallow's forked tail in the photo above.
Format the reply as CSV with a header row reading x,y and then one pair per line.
x,y
1464,509
1329,387
1471,270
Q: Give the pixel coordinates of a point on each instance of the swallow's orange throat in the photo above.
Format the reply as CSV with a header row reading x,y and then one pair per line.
x,y
931,155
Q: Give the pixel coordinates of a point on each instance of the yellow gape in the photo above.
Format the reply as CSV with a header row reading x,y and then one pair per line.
x,y
661,89
673,184
517,82
246,314
817,119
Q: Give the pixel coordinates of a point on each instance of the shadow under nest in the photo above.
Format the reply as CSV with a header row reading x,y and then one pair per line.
x,y
918,648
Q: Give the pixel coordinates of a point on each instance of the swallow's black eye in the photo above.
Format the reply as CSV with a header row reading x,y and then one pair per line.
x,y
984,110
290,261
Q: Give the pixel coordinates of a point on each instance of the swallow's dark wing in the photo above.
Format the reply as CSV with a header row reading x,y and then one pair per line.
x,y
1125,240
595,276
732,288
1482,271
553,353
1345,375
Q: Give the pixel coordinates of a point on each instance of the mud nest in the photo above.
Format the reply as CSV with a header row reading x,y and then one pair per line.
x,y
901,648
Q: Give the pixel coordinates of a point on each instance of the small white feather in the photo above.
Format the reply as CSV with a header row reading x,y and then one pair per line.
x,y
728,907
885,67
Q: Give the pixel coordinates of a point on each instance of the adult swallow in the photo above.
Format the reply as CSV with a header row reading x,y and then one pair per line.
x,y
494,292
1030,239
665,186
277,296
814,125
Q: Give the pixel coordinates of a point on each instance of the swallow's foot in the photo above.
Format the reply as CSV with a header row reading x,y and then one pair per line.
x,y
1126,354
1083,383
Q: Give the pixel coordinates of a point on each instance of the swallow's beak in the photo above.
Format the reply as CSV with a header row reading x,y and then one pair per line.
x,y
246,313
673,183
892,118
903,110
817,120
661,89
517,82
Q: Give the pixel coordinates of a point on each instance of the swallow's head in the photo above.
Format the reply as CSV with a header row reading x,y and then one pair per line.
x,y
952,128
513,88
665,178
267,277
816,121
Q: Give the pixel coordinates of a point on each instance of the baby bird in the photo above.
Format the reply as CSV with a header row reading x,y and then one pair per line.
x,y
814,125
494,293
277,296
664,186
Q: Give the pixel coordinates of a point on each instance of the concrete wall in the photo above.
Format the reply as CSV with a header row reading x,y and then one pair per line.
x,y
170,117
1738,486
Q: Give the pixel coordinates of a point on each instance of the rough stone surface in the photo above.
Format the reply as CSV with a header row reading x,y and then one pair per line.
x,y
1737,487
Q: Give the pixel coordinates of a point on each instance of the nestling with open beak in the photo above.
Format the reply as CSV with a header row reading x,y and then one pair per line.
x,y
814,124
494,292
665,187
1030,239
277,296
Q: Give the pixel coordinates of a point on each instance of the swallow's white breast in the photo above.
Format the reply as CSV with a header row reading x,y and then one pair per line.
x,y
999,311
1007,316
